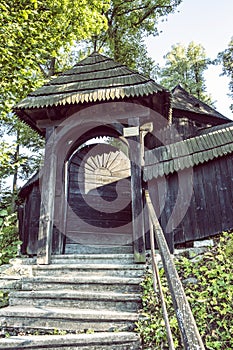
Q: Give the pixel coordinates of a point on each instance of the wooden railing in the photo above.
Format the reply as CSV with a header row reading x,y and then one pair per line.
x,y
188,328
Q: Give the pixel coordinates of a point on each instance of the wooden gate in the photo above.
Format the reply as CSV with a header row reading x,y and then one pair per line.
x,y
99,200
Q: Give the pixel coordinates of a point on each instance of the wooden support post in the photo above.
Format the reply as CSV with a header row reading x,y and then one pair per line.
x,y
47,199
136,195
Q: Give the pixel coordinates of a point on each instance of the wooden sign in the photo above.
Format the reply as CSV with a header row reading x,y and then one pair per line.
x,y
131,131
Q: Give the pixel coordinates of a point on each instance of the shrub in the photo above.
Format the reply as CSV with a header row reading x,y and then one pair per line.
x,y
211,300
8,236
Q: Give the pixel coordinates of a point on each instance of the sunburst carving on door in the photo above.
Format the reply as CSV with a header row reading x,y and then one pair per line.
x,y
103,169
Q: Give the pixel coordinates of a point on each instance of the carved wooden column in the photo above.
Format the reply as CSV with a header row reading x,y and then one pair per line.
x,y
47,199
136,194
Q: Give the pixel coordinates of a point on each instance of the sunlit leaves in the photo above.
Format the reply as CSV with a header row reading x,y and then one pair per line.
x,y
129,22
33,31
186,66
226,58
6,159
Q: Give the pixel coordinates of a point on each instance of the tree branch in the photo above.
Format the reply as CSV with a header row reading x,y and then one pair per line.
x,y
132,10
43,71
149,12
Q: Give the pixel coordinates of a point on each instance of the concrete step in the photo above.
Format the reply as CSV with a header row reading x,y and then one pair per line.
x,y
134,270
101,341
94,283
93,259
61,318
77,299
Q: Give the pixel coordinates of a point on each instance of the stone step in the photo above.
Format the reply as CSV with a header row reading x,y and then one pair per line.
x,y
72,248
135,270
77,299
61,318
93,259
94,283
75,293
101,341
10,283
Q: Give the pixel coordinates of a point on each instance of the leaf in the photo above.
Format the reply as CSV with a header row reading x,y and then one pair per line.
x,y
3,212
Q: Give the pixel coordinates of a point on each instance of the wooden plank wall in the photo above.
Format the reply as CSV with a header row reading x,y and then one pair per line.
x,y
210,209
29,221
209,212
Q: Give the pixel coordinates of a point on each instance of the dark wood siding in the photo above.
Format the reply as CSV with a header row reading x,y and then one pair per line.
x,y
29,214
209,209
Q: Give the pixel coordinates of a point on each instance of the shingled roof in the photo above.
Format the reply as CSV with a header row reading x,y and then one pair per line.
x,y
182,100
96,78
216,142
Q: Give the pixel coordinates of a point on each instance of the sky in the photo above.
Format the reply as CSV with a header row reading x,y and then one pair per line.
x,y
206,22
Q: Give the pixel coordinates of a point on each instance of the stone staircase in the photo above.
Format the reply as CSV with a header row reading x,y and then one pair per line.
x,y
94,299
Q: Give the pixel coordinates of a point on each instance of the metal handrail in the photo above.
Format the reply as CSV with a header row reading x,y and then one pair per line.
x,y
187,325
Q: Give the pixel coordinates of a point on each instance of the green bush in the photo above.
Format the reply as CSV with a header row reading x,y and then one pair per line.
x,y
211,300
3,298
9,240
151,325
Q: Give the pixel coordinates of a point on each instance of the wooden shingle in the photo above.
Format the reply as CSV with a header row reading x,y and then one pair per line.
x,y
183,101
96,78
216,142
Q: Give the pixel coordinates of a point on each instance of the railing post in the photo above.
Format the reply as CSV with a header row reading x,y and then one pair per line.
x,y
156,274
190,334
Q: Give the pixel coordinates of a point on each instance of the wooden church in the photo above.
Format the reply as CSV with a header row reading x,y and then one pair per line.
x,y
110,134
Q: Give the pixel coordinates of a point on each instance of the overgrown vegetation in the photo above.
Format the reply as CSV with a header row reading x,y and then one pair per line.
x,y
9,240
208,285
4,300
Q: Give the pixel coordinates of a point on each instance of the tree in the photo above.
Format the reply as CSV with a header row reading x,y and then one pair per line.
x,y
186,66
129,22
226,58
6,156
33,33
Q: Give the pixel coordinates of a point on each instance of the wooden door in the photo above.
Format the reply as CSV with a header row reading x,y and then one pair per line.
x,y
99,200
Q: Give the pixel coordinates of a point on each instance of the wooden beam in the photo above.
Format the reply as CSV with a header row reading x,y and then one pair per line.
x,y
136,195
47,199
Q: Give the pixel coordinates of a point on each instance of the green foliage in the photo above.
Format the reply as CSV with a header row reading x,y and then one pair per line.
x,y
9,241
151,325
32,34
34,31
211,300
186,66
6,159
129,22
226,58
4,300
